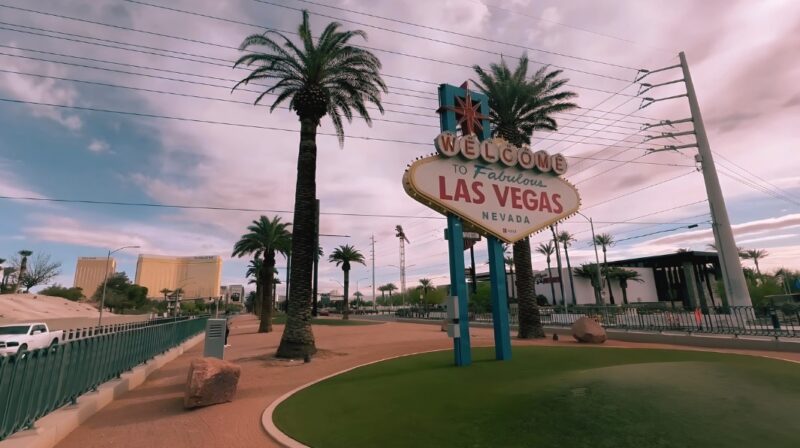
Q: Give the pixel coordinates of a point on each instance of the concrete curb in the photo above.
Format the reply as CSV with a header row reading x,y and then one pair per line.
x,y
284,440
54,427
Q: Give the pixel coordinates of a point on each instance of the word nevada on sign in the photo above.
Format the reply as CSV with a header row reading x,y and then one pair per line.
x,y
503,190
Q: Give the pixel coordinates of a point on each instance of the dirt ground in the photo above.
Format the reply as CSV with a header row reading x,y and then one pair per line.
x,y
153,415
58,313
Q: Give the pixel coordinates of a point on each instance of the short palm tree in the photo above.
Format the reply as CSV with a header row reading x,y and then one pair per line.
x,y
547,250
344,256
566,239
382,289
605,240
3,276
425,285
23,267
166,292
589,272
624,276
323,76
391,287
755,255
742,252
254,272
519,106
265,239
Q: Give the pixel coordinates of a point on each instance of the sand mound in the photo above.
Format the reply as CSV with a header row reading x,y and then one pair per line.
x,y
27,307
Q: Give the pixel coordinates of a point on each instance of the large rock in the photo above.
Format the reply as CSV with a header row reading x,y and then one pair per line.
x,y
210,381
588,330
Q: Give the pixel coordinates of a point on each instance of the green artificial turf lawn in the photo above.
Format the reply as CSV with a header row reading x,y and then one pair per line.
x,y
332,322
554,397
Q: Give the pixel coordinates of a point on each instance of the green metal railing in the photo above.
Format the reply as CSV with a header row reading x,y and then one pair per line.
x,y
35,383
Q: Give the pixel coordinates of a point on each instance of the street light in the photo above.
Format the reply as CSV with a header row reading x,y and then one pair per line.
x,y
596,259
105,280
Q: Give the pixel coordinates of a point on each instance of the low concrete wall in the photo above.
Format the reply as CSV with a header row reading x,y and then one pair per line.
x,y
54,427
692,340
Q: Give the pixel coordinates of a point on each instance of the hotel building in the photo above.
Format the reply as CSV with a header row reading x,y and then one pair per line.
x,y
91,271
198,277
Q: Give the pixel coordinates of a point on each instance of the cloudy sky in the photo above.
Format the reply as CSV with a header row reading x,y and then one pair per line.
x,y
175,61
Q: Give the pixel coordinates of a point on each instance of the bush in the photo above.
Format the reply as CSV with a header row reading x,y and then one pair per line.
x,y
542,300
74,294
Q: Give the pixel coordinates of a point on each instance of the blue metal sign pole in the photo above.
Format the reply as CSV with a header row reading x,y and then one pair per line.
x,y
455,241
497,273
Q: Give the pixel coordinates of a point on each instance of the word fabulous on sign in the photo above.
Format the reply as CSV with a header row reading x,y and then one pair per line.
x,y
503,190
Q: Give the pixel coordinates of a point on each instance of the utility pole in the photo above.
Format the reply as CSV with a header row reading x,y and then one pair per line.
x,y
374,297
403,239
736,290
316,262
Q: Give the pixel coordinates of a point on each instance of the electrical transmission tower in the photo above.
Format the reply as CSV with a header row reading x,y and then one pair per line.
x,y
733,278
403,240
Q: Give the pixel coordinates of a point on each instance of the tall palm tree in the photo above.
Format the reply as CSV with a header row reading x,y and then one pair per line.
x,y
265,238
547,250
23,267
425,285
3,275
566,239
605,240
509,261
343,256
330,77
624,276
755,255
518,107
558,265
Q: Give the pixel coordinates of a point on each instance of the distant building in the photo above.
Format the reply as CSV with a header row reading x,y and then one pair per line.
x,y
232,293
198,277
91,271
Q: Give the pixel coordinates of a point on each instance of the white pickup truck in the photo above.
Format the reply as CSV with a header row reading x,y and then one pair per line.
x,y
17,338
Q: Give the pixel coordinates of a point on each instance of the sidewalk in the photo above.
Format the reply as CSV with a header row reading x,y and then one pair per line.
x,y
153,415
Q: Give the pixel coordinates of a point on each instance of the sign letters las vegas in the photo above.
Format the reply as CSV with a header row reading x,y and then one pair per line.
x,y
501,189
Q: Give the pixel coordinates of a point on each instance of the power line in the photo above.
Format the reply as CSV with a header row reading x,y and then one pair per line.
x,y
660,231
489,5
398,53
204,43
448,31
640,189
765,183
234,124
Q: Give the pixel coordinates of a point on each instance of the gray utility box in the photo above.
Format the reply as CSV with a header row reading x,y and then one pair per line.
x,y
215,338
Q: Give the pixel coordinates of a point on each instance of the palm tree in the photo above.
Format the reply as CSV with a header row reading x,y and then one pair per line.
x,y
509,261
23,267
7,273
425,284
343,256
624,275
391,287
330,77
566,239
383,290
519,106
605,240
166,292
3,277
547,250
755,255
266,238
742,252
589,271
254,272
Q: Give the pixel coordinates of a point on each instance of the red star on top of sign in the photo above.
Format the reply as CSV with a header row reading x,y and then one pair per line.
x,y
467,112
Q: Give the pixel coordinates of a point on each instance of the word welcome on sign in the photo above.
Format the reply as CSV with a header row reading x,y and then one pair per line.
x,y
499,150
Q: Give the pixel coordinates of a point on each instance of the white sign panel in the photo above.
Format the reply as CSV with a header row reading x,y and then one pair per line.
x,y
503,199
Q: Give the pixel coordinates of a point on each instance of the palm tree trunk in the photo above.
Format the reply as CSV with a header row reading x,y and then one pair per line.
x,y
530,323
346,311
550,280
624,288
571,277
758,270
558,266
259,297
265,325
297,340
608,280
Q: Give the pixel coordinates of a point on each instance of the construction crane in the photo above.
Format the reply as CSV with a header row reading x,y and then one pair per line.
x,y
403,240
